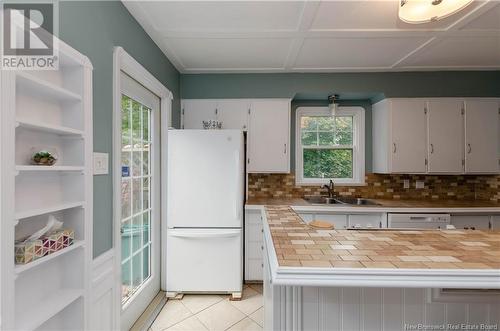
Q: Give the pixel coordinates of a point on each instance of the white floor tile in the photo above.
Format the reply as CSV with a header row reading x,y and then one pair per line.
x,y
247,324
249,292
256,287
220,316
196,303
251,301
172,313
258,316
189,324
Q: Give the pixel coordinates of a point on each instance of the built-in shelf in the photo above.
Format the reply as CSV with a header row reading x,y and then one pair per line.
x,y
59,130
52,305
47,210
35,86
33,168
25,267
49,109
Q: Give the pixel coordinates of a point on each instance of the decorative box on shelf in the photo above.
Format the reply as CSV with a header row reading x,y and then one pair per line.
x,y
29,251
32,250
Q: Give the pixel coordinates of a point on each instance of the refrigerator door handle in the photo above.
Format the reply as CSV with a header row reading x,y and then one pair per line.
x,y
239,189
204,234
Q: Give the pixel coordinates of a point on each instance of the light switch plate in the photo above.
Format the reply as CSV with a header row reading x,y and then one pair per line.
x,y
419,184
101,163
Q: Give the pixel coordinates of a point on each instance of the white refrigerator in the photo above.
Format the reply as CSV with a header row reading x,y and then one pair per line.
x,y
205,197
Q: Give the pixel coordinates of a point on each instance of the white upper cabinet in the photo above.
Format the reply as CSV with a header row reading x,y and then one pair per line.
x,y
267,122
400,136
233,114
409,139
269,136
482,139
197,111
454,136
446,135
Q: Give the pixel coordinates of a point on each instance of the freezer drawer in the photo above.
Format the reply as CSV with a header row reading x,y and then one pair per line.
x,y
204,260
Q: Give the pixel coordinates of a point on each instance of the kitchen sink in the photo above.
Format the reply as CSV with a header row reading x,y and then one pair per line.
x,y
324,200
358,201
321,200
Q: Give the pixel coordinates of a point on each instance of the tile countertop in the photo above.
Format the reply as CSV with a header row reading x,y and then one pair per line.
x,y
481,206
385,203
456,258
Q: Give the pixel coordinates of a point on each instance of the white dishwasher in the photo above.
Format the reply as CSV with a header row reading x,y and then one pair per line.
x,y
418,221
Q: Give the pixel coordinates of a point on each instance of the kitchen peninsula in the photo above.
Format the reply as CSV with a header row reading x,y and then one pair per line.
x,y
326,277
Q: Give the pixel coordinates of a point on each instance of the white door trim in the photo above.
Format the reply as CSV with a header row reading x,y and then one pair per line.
x,y
122,61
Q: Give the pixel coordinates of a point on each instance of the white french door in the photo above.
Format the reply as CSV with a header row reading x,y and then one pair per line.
x,y
140,199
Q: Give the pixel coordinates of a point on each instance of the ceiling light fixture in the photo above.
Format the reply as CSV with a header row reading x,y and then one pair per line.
x,y
425,11
332,104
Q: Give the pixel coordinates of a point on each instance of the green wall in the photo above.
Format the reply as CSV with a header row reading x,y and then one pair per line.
x,y
374,86
94,28
355,89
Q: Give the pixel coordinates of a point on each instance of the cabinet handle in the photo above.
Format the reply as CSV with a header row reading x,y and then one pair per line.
x,y
394,147
432,148
469,149
284,150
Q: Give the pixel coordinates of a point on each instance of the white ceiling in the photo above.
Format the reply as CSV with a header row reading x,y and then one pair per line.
x,y
317,36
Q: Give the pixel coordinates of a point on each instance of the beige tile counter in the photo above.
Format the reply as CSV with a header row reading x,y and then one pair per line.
x,y
385,203
298,245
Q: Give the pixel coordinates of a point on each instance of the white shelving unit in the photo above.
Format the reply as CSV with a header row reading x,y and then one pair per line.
x,y
59,130
49,109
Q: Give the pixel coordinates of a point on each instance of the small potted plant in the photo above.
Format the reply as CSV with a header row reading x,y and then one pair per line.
x,y
44,157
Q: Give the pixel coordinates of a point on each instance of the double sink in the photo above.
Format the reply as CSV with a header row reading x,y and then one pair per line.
x,y
324,200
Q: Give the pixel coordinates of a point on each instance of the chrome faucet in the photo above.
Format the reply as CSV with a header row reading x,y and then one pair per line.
x,y
330,187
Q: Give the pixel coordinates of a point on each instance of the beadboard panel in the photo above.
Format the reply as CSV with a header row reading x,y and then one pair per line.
x,y
370,309
392,309
103,310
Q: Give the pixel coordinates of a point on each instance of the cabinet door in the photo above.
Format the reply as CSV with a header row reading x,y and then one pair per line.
x,y
197,111
339,221
233,114
366,221
481,136
269,136
446,140
495,222
409,136
478,222
254,242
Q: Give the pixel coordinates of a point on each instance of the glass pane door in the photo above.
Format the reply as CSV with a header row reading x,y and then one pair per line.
x,y
136,196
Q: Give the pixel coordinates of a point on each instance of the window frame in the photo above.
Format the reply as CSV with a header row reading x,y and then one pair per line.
x,y
358,154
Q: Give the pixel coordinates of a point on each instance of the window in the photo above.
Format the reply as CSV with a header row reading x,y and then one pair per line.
x,y
330,147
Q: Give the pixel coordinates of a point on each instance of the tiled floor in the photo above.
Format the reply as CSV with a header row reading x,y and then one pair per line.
x,y
213,312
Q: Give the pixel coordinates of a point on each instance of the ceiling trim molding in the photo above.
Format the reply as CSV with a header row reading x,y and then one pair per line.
x,y
307,17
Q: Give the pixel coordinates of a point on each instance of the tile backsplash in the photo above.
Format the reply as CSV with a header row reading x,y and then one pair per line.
x,y
470,187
